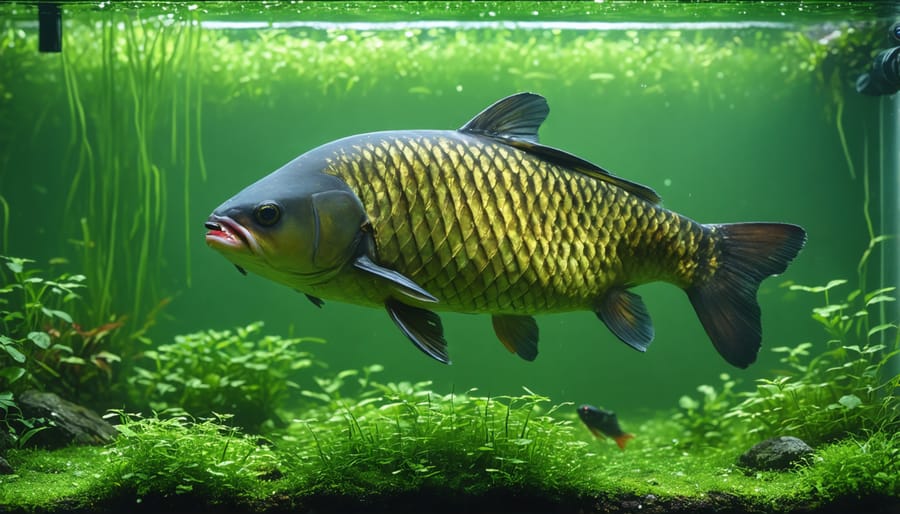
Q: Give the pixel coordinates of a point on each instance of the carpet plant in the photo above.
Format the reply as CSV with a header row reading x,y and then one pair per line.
x,y
412,437
382,441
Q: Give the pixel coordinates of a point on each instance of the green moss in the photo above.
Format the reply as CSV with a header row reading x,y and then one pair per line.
x,y
409,440
45,480
856,467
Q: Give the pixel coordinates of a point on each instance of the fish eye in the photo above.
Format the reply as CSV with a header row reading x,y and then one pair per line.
x,y
267,214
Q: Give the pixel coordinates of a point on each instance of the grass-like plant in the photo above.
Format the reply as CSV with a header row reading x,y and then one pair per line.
x,y
122,171
377,444
178,456
406,437
239,372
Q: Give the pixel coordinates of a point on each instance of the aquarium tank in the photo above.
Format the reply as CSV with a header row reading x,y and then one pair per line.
x,y
146,363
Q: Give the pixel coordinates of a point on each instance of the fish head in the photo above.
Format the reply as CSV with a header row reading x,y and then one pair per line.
x,y
294,226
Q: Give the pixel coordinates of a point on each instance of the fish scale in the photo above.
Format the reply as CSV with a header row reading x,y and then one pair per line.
x,y
487,219
419,183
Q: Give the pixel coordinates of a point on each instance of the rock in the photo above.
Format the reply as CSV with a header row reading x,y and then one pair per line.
x,y
71,423
5,468
778,453
6,440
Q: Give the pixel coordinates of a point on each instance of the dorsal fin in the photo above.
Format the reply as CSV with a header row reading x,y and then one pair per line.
x,y
515,121
515,117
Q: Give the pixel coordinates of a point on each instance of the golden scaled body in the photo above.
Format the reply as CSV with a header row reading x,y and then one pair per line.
x,y
490,228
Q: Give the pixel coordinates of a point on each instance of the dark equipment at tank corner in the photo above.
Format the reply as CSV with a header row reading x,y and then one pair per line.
x,y
883,76
49,27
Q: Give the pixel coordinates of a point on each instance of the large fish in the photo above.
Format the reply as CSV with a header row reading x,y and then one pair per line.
x,y
485,219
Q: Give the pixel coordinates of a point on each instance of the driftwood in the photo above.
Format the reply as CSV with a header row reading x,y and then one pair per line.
x,y
67,422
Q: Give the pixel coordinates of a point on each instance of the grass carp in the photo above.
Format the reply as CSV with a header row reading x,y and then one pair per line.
x,y
486,219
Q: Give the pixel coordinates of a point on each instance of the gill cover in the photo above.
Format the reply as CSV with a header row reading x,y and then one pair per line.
x,y
338,219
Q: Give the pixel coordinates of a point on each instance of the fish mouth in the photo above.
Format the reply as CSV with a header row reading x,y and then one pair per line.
x,y
225,233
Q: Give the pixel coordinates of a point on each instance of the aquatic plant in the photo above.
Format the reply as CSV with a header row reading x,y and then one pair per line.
x,y
238,372
856,467
406,437
705,421
42,347
392,445
846,388
180,456
118,199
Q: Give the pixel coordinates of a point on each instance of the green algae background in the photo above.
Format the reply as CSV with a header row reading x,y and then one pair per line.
x,y
157,112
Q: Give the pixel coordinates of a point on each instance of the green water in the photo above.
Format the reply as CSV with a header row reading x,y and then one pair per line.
x,y
732,113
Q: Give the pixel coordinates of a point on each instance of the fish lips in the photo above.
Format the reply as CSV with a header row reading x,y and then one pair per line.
x,y
225,234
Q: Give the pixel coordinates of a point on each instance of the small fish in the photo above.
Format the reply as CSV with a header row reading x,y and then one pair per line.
x,y
603,423
486,219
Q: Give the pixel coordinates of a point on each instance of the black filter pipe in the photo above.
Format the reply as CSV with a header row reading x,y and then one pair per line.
x,y
49,27
883,77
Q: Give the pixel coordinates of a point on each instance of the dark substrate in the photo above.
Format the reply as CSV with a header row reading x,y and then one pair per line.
x,y
493,502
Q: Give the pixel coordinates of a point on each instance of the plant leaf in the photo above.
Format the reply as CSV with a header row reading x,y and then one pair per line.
x,y
12,373
14,353
818,289
41,339
879,299
880,328
850,401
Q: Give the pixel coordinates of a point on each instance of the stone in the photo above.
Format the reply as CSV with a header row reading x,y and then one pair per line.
x,y
71,423
778,453
5,468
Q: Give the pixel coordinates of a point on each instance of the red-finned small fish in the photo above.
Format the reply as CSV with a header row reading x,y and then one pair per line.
x,y
603,423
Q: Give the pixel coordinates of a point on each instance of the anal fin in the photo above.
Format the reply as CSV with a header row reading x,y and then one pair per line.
x,y
626,316
422,327
519,334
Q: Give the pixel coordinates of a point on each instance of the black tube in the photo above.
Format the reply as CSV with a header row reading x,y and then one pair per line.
x,y
883,78
49,27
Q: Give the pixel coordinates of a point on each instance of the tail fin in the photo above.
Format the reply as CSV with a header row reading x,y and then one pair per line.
x,y
622,440
726,303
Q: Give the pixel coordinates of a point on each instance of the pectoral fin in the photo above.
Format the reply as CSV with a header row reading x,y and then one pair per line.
x,y
402,283
318,302
626,316
597,433
422,327
519,334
